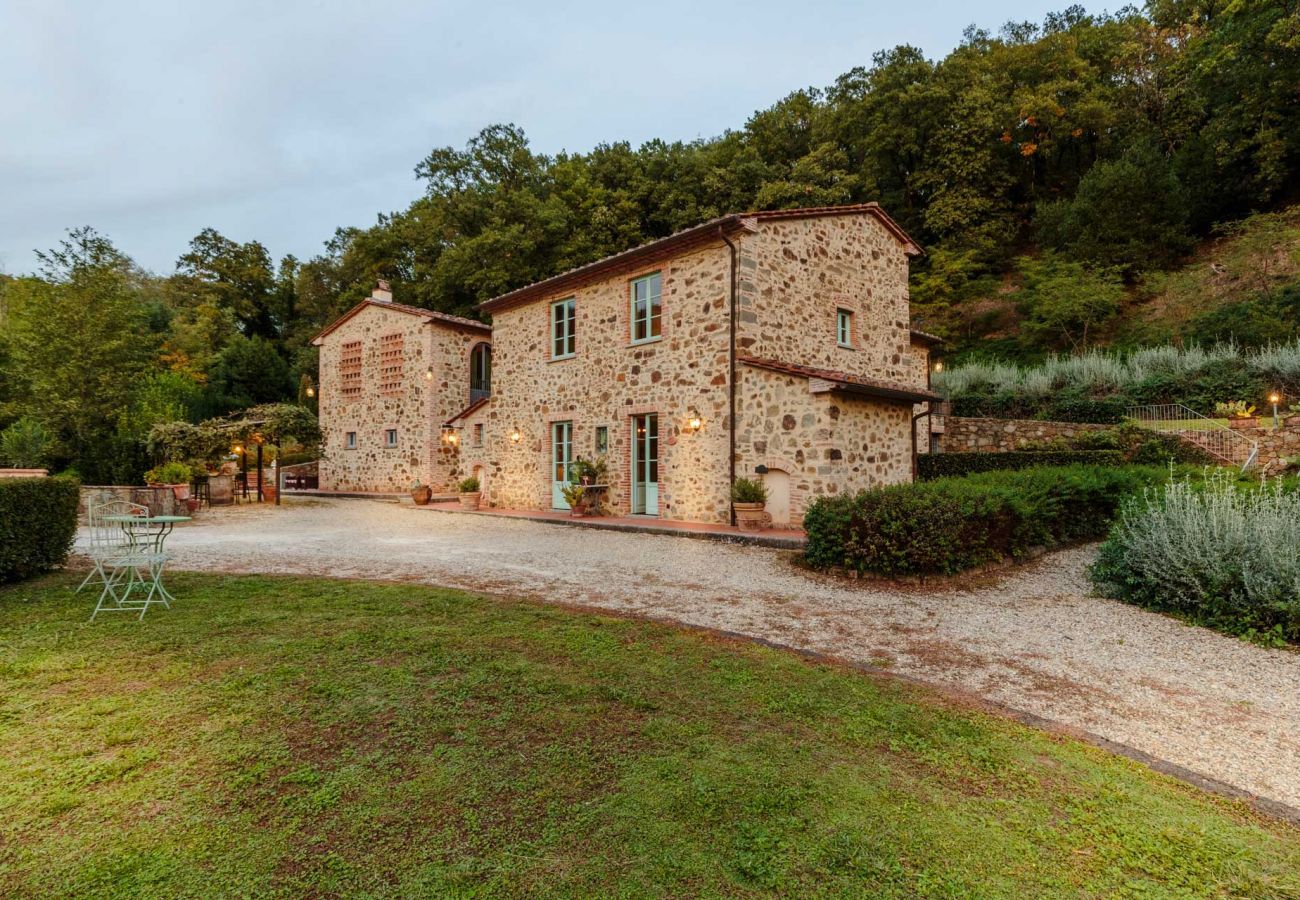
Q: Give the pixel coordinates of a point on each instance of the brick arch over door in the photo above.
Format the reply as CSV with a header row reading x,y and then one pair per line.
x,y
795,497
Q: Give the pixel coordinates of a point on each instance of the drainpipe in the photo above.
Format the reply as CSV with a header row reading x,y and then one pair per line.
x,y
916,418
731,379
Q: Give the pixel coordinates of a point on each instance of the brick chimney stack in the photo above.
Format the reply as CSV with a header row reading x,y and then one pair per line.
x,y
383,293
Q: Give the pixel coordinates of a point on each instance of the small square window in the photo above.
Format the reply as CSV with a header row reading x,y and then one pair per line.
x,y
390,438
351,440
844,327
602,439
478,435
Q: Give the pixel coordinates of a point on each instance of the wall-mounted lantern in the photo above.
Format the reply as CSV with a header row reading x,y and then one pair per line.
x,y
449,435
938,366
428,374
693,422
515,436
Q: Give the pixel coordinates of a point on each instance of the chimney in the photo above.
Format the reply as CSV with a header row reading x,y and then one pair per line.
x,y
383,293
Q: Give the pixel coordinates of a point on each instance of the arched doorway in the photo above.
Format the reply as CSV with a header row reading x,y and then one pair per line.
x,y
777,483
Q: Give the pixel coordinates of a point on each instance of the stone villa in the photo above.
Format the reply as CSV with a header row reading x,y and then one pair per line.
x,y
792,324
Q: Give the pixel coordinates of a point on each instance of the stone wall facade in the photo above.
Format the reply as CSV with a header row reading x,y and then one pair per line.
x,y
963,434
387,368
793,276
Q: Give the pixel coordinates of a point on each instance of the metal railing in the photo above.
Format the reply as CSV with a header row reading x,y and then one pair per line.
x,y
1211,435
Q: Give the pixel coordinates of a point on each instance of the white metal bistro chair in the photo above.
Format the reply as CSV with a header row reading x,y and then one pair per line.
x,y
126,560
94,516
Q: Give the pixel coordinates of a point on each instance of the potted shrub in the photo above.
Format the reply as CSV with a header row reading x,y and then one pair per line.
x,y
174,475
421,493
1239,413
748,496
469,493
573,495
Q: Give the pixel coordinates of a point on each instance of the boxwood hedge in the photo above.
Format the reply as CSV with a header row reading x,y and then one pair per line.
x,y
949,525
940,465
38,521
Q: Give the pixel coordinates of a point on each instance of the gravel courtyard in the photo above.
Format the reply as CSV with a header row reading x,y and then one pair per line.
x,y
1032,639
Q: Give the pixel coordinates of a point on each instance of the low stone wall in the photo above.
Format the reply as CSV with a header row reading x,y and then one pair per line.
x,y
966,435
161,501
1275,447
24,473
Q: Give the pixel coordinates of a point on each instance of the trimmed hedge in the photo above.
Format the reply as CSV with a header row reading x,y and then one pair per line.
x,y
952,524
943,465
38,522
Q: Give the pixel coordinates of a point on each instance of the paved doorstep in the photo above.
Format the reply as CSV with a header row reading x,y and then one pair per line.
x,y
1033,641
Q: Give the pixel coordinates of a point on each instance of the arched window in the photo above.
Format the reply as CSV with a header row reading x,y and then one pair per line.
x,y
480,372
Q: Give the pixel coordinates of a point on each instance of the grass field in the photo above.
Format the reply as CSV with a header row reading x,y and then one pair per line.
x,y
298,736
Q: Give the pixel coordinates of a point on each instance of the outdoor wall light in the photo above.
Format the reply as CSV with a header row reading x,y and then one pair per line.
x,y
694,422
428,374
311,392
938,367
515,436
449,435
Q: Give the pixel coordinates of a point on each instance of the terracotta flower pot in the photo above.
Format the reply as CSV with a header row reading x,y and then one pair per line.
x,y
422,495
751,516
268,493
470,499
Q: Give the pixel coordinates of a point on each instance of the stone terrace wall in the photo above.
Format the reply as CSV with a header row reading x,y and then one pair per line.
x,y
967,435
1276,447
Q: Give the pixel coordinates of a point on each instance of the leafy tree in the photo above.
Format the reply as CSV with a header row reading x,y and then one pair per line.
x,y
1064,302
248,371
1129,214
81,344
25,444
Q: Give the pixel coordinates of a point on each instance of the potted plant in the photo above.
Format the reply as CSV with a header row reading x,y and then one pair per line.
x,y
1239,413
421,493
573,495
174,475
748,496
591,471
469,493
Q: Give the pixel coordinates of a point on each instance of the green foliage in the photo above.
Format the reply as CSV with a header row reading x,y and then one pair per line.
x,y
950,525
573,494
596,471
748,490
1128,214
169,473
945,465
81,344
38,523
25,445
247,372
1065,302
203,444
468,485
278,423
1099,386
1213,551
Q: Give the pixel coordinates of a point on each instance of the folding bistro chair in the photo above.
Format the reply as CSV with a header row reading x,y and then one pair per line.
x,y
128,560
94,513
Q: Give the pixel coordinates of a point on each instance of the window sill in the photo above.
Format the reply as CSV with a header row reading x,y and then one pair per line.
x,y
846,346
563,358
650,340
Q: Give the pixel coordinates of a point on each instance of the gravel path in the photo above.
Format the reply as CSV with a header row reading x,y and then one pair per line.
x,y
1032,640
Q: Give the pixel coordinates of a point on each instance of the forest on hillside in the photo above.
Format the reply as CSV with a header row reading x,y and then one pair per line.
x,y
1065,164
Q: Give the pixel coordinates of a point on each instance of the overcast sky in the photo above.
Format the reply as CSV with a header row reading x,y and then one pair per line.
x,y
280,120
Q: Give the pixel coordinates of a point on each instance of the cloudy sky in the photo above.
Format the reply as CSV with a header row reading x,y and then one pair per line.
x,y
280,120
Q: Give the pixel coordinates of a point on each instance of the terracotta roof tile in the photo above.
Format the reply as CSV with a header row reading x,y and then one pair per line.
x,y
428,314
472,408
856,384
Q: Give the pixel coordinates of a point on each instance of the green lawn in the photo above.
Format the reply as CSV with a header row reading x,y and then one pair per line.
x,y
323,737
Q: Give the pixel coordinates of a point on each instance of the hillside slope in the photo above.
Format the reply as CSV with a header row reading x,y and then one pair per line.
x,y
1241,285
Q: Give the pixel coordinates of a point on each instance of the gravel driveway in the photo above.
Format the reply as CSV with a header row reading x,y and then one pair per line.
x,y
1031,640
